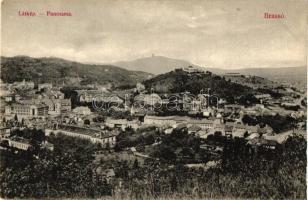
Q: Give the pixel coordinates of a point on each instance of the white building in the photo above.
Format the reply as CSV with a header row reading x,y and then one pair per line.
x,y
82,110
44,86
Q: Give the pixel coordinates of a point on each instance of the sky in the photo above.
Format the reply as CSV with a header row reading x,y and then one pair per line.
x,y
225,34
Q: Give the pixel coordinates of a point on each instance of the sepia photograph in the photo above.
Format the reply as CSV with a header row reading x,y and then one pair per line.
x,y
153,99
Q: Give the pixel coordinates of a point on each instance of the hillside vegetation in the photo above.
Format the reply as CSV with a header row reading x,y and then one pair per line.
x,y
180,81
252,81
57,71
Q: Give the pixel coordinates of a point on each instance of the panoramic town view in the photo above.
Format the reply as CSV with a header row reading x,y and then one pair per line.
x,y
144,110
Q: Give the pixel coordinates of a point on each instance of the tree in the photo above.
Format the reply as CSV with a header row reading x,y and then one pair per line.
x,y
150,139
166,153
107,147
136,164
87,122
16,118
99,118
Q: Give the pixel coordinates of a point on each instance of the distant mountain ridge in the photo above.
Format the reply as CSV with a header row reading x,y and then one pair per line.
x,y
154,64
282,71
294,75
160,65
58,71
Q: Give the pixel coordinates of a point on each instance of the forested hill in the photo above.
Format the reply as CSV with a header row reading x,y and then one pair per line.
x,y
57,71
180,81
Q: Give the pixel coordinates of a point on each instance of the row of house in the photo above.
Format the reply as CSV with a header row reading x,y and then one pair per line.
x,y
186,101
192,70
204,127
27,85
88,96
22,85
39,106
174,120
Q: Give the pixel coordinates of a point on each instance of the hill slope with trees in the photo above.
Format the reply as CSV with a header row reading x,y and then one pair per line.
x,y
180,81
57,71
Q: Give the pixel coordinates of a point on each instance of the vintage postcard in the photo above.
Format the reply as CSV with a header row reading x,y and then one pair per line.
x,y
153,99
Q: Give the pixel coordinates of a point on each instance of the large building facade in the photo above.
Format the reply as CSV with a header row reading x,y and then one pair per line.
x,y
26,111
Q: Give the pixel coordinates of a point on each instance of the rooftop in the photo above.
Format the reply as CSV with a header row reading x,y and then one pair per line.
x,y
83,130
180,119
20,139
262,141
